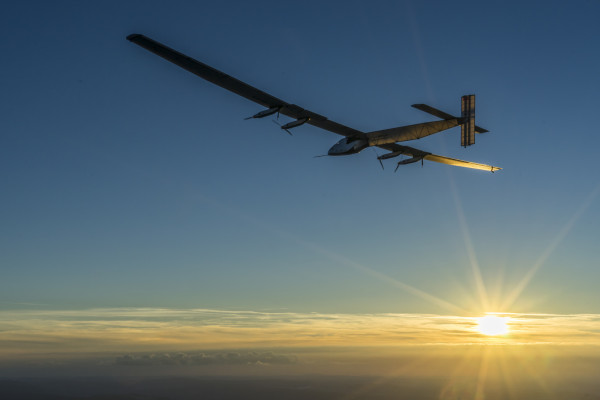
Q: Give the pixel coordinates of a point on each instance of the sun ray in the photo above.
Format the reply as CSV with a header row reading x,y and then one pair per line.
x,y
480,285
452,389
413,23
562,233
408,288
533,373
335,256
366,389
482,376
507,378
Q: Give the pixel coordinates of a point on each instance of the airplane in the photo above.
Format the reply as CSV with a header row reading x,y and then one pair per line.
x,y
354,140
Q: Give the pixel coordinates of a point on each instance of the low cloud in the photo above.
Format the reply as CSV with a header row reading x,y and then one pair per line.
x,y
200,358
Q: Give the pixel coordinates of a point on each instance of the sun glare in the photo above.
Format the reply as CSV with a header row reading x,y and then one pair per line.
x,y
492,325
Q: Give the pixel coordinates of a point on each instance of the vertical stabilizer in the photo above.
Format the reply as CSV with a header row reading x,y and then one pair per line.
x,y
467,128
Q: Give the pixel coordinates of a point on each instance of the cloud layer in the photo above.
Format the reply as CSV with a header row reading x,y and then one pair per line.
x,y
128,330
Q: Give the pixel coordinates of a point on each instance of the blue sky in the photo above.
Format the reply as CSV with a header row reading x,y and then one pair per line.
x,y
129,182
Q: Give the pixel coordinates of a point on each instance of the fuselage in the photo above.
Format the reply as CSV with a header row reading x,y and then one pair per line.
x,y
348,146
353,145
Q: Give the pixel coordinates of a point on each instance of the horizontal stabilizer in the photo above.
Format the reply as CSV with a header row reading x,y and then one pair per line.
x,y
433,111
442,115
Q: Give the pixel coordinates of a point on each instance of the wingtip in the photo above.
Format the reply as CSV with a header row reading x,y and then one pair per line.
x,y
133,36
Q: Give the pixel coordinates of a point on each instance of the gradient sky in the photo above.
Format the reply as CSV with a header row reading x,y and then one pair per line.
x,y
129,183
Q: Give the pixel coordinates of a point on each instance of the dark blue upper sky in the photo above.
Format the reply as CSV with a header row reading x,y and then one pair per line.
x,y
127,181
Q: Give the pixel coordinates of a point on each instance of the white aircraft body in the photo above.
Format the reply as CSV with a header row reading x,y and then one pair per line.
x,y
354,140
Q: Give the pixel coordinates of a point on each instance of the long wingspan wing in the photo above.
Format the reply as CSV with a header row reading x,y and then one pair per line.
x,y
238,87
291,110
412,152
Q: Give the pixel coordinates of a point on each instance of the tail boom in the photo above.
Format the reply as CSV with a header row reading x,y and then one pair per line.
x,y
409,132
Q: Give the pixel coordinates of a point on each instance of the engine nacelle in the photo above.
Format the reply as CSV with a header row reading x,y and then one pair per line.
x,y
295,123
410,160
266,113
389,155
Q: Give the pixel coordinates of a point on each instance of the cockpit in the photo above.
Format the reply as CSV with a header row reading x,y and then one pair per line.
x,y
347,146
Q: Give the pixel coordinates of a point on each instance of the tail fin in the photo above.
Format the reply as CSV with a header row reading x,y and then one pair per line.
x,y
467,127
466,120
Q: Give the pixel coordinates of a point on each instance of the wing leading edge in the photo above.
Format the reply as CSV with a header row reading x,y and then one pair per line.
x,y
291,110
238,87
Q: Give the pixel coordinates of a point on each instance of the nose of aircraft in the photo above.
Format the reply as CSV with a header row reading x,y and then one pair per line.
x,y
338,148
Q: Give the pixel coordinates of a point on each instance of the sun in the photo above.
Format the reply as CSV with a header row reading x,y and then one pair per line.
x,y
492,325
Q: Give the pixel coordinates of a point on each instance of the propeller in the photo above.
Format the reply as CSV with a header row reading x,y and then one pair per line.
x,y
378,158
281,126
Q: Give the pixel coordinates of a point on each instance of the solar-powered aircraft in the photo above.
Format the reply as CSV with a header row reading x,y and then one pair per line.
x,y
354,140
